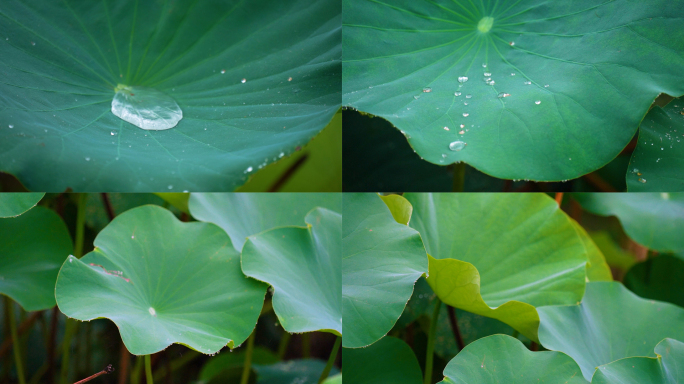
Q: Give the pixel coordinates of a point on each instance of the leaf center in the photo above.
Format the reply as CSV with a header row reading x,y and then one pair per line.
x,y
485,24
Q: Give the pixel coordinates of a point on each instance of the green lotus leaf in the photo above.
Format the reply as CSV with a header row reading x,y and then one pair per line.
x,y
665,369
381,260
658,278
500,255
610,324
14,204
554,90
388,361
291,371
658,159
32,248
304,267
252,81
504,359
162,281
654,220
597,267
244,214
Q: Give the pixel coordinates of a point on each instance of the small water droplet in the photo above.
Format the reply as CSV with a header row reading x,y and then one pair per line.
x,y
635,170
11,126
512,73
33,43
487,74
416,97
170,187
538,102
152,312
457,145
427,89
462,79
492,82
457,93
546,86
132,236
289,79
462,125
466,114
281,154
465,103
87,158
249,169
243,81
469,96
642,180
112,133
503,94
527,83
223,71
484,65
446,128
461,132
512,43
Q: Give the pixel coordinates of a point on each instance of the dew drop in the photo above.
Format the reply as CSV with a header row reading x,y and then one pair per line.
x,y
487,74
461,132
484,65
512,73
87,159
469,96
427,89
170,187
281,154
33,43
465,103
642,180
457,93
462,79
11,126
132,236
538,102
289,79
416,97
466,114
512,43
527,83
243,81
146,108
462,125
503,94
492,82
223,71
152,312
457,145
635,170
546,86
112,133
446,128
249,169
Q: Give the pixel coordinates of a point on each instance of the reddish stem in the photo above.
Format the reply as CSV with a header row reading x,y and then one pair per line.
x,y
108,369
559,198
454,327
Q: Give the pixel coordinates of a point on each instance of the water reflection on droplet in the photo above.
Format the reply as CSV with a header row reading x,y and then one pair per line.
x,y
503,94
11,126
243,81
457,145
457,93
642,180
538,102
469,96
427,89
466,114
527,83
487,74
462,79
446,128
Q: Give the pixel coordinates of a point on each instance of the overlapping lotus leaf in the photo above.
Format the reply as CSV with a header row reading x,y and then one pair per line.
x,y
501,255
381,260
303,265
162,281
610,324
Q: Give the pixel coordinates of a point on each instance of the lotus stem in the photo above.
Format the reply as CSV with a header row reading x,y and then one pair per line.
x,y
459,177
108,369
284,342
15,341
80,225
559,198
247,367
306,346
454,327
148,370
331,360
431,342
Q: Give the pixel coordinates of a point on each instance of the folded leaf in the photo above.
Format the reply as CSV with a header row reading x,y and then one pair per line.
x,y
666,369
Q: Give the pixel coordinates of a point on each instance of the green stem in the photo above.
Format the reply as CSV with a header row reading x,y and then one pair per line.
x,y
137,368
15,341
431,342
331,360
284,342
459,177
306,346
148,370
71,325
80,225
247,368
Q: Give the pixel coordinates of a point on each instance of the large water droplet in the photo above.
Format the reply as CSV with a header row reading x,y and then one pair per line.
x,y
538,102
146,108
462,79
457,145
